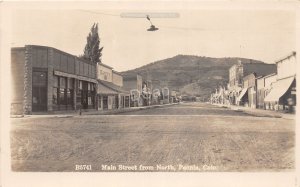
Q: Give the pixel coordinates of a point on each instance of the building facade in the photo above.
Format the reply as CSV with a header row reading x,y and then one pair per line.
x,y
134,84
46,79
282,94
110,94
264,84
248,95
237,73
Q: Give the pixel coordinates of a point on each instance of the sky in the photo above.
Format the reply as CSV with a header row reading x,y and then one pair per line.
x,y
265,35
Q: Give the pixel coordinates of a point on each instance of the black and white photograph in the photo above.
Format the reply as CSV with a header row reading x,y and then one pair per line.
x,y
162,88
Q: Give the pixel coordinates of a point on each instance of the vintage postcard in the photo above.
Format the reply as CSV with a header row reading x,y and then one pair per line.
x,y
156,93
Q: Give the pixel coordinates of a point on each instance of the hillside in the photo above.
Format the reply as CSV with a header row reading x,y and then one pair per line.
x,y
191,75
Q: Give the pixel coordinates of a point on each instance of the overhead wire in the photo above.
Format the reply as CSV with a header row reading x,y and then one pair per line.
x,y
162,26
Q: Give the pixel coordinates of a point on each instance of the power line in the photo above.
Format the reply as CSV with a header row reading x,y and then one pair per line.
x,y
102,13
143,15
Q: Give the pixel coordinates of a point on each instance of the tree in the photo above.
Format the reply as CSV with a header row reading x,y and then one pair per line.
x,y
92,50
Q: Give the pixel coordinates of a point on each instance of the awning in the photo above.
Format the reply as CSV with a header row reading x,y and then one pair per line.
x,y
59,73
244,91
105,87
279,88
104,90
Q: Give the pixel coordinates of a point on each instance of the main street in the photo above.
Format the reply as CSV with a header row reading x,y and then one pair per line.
x,y
184,137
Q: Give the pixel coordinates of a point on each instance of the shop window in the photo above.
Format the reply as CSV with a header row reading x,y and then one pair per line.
x,y
55,81
62,98
62,82
70,97
55,98
105,102
99,101
70,83
55,90
80,85
70,93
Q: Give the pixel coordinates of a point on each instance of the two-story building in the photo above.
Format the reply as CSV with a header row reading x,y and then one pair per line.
x,y
134,84
45,79
282,95
237,73
264,84
247,96
110,94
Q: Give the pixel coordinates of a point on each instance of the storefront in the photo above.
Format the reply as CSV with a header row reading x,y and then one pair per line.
x,y
110,96
46,79
242,99
282,96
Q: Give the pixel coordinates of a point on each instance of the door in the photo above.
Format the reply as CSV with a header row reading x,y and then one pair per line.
x,y
105,102
84,96
39,91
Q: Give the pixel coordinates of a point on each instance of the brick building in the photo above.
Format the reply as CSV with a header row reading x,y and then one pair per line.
x,y
47,79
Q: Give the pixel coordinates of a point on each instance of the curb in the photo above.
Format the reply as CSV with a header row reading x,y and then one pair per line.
x,y
128,109
258,113
84,113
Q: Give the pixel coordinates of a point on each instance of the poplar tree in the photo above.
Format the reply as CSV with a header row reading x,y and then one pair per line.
x,y
92,50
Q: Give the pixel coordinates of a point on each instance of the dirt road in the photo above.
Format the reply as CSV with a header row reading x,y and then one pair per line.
x,y
188,137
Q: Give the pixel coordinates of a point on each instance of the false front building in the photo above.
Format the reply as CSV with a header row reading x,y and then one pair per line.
x,y
110,92
282,95
236,78
45,79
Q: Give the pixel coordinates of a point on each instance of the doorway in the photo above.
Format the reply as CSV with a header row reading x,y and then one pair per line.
x,y
39,91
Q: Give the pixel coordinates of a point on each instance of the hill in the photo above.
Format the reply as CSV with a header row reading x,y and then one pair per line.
x,y
191,75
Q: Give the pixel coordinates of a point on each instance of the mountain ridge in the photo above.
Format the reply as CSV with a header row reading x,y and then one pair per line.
x,y
189,74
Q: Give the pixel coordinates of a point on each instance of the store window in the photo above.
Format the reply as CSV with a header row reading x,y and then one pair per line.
x,y
62,91
55,92
70,93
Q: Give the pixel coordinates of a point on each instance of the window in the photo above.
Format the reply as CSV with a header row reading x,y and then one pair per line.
x,y
55,90
80,85
62,98
62,83
69,97
55,99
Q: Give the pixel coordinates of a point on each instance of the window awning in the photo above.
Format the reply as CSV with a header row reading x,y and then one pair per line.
x,y
104,90
59,73
244,91
105,87
279,88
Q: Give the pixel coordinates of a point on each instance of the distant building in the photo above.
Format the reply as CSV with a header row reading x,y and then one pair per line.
x,y
45,79
117,78
131,82
238,71
282,95
247,96
110,93
134,84
264,84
